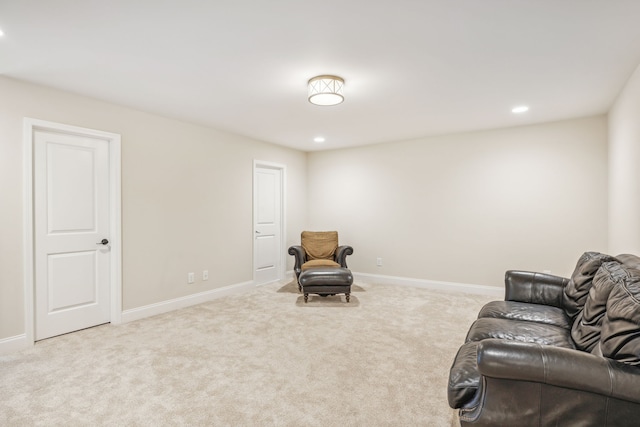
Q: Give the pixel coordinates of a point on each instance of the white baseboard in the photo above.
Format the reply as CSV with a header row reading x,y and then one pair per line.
x,y
13,344
19,342
429,284
186,301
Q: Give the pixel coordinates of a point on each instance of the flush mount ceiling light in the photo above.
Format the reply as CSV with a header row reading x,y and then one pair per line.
x,y
326,90
520,109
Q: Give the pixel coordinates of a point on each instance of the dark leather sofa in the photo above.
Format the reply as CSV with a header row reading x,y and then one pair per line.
x,y
556,351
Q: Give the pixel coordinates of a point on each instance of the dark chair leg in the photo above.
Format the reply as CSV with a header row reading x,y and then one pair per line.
x,y
306,297
348,296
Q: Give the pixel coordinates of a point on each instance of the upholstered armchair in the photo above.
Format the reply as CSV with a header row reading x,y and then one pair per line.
x,y
319,249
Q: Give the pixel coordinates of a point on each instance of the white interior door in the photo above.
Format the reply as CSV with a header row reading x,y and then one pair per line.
x,y
267,218
71,219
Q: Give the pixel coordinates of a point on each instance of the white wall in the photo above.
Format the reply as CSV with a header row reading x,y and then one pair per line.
x,y
186,197
464,208
457,208
624,170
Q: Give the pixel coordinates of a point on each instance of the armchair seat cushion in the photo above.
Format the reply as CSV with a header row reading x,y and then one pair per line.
x,y
315,263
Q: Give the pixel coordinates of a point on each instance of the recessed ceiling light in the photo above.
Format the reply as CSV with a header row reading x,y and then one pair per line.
x,y
1,32
520,109
318,139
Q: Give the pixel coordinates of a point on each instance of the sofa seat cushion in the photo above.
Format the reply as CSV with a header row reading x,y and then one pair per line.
x,y
515,310
588,324
620,337
464,378
577,290
520,330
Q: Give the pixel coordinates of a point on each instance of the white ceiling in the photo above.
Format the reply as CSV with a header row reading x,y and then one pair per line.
x,y
412,68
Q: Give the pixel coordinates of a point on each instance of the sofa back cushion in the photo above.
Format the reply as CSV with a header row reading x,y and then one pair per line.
x,y
629,260
588,323
620,338
319,244
577,290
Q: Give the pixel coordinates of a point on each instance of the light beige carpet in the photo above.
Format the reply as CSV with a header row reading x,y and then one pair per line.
x,y
263,358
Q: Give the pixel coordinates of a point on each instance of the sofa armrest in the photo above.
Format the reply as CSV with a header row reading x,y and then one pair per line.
x,y
301,257
341,255
559,367
535,288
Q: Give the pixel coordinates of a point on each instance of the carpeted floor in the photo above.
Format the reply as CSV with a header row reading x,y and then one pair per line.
x,y
263,358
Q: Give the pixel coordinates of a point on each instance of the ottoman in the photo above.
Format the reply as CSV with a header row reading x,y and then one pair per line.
x,y
326,281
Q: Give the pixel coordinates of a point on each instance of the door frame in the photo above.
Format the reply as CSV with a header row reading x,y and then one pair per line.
x,y
283,214
115,222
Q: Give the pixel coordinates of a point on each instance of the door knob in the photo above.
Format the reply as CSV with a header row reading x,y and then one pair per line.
x,y
103,242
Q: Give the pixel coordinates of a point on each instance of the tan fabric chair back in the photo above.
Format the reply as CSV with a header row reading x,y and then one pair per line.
x,y
319,244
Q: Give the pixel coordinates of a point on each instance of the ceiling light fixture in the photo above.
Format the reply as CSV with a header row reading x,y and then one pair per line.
x,y
326,90
520,109
318,139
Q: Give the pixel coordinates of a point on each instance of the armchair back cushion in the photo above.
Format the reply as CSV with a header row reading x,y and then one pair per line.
x,y
620,338
319,244
577,290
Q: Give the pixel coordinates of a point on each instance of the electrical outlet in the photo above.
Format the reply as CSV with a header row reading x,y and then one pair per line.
x,y
205,275
379,262
191,277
